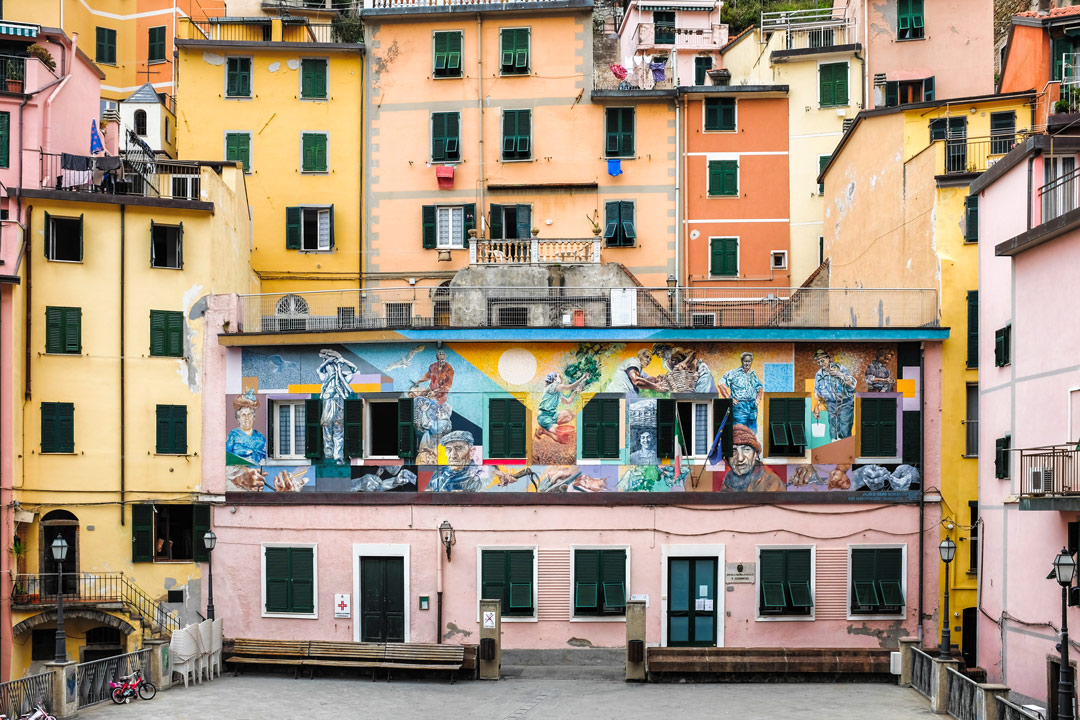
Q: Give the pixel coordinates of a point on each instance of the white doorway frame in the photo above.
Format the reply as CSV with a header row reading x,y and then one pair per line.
x,y
674,551
362,551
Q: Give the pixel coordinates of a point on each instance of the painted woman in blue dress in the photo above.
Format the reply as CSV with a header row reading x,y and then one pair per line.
x,y
245,441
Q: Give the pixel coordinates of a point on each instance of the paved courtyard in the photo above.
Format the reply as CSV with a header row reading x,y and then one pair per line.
x,y
530,695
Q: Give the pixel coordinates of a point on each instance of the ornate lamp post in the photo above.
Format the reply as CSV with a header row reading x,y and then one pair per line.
x,y
210,540
59,550
446,531
947,548
1065,570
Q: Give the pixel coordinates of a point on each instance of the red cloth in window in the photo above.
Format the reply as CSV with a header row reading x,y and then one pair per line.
x,y
445,175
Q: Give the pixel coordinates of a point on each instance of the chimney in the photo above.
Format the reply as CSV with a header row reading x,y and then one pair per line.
x,y
1044,7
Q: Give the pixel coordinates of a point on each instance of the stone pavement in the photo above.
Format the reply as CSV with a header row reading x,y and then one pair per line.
x,y
526,694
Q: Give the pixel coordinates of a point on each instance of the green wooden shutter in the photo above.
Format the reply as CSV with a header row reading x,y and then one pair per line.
x,y
702,65
493,576
72,321
825,85
81,226
427,227
5,139
438,136
406,430
509,140
840,82
869,435
453,54
48,236
496,217
626,219
469,216
727,114
497,428
142,533
156,44
452,141
613,579
779,441
524,220
174,333
590,429
864,594
771,581
307,79
157,332
313,444
49,424
887,426
971,226
798,578
293,218
521,50
712,114
586,580
524,133
889,576
611,139
611,222
163,428
609,428
200,524
973,329
729,171
724,256
520,580
277,575
892,93
439,56
665,428
823,160
515,429
797,424
354,428
506,47
302,590
928,89
179,428
54,334
715,180
716,254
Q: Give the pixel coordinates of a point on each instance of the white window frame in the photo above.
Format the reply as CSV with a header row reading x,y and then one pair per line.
x,y
773,255
275,406
719,132
251,148
903,581
314,573
318,241
693,422
535,617
450,244
179,242
315,172
758,617
300,83
718,157
368,403
833,62
738,255
527,73
225,85
391,550
574,618
675,551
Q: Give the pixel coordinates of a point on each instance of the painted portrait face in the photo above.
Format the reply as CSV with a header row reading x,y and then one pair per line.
x,y
440,356
458,454
822,361
646,440
743,458
747,361
245,418
644,357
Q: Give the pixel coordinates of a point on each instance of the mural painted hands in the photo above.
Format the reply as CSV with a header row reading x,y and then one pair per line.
x,y
251,479
285,481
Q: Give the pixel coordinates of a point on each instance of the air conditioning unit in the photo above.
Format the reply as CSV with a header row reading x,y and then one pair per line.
x,y
1040,480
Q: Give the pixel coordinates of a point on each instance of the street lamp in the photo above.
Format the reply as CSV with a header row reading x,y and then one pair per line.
x,y
210,540
672,282
59,552
1065,570
947,548
446,531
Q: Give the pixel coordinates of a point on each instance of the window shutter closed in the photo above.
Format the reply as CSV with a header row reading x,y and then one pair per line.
x,y
277,574
886,426
609,435
590,429
354,428
292,228
497,428
313,445
179,438
427,224
303,580
164,428
515,429
54,338
142,533
825,85
712,114
469,213
493,576
973,329
157,333
174,334
665,428
730,174
406,430
869,429
727,114
971,229
5,139
200,524
520,576
715,180
48,428
613,579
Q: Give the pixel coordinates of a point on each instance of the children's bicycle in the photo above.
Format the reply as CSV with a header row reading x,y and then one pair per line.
x,y
130,686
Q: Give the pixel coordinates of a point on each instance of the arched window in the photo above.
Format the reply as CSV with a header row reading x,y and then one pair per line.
x,y
140,123
292,305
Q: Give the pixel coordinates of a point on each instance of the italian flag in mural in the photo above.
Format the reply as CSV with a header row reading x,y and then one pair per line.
x,y
678,447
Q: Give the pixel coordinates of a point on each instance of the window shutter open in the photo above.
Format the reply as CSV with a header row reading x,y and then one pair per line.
x,y
354,428
496,223
524,220
469,216
142,533
665,428
427,224
199,525
892,93
81,225
292,228
406,430
48,235
971,229
973,329
928,90
313,445
626,217
611,220
331,227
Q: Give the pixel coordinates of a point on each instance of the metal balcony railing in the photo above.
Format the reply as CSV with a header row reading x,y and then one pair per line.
x,y
170,179
595,307
976,154
650,36
406,4
811,28
1059,196
12,73
645,76
1050,470
259,29
93,589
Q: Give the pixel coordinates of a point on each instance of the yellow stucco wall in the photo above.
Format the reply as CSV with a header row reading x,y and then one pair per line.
x,y
276,116
814,130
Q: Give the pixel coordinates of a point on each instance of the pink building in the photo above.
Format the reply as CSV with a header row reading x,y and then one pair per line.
x,y
682,40
1029,407
573,469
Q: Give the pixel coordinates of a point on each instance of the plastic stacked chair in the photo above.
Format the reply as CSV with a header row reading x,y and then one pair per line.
x,y
215,648
183,654
204,639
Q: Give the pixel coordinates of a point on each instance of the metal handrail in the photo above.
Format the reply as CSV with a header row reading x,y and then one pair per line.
x,y
1011,711
18,696
93,678
961,696
921,671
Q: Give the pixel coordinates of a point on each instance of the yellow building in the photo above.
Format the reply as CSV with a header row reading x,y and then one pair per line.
x,y
897,215
289,109
816,55
113,289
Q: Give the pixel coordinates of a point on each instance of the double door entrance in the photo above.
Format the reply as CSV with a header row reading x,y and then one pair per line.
x,y
693,605
382,599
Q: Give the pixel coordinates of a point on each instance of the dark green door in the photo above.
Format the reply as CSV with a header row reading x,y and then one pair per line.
x,y
692,603
382,599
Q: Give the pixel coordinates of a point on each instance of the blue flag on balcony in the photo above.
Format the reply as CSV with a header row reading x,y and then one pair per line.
x,y
96,145
614,168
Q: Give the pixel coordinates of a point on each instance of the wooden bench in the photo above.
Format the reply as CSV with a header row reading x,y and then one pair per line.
x,y
314,653
742,663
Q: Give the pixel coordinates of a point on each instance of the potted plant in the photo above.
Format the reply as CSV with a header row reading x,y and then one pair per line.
x,y
19,550
42,54
595,225
14,76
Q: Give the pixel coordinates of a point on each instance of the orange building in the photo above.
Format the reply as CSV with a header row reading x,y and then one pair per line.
x,y
1042,54
737,227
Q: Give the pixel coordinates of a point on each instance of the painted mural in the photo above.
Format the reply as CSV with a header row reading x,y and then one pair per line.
x,y
297,425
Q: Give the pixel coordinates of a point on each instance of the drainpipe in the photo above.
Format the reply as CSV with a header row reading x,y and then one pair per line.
x,y
27,241
438,590
48,103
679,225
866,50
1030,174
922,488
480,123
123,486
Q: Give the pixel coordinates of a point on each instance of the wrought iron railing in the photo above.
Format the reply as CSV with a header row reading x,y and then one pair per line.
x,y
1008,710
922,671
961,696
93,678
19,696
406,4
976,154
94,588
12,73
1050,470
239,29
1059,196
811,28
498,306
170,179
649,35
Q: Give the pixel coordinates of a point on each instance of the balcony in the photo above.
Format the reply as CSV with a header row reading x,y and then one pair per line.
x,y
107,590
405,5
265,29
973,155
650,38
627,306
809,30
646,76
1059,196
1050,478
143,177
534,251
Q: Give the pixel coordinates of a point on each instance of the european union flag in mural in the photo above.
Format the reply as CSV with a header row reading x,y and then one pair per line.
x,y
716,451
96,145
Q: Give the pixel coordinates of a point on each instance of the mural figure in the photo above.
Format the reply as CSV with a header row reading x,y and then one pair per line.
x,y
461,474
629,376
652,478
685,372
439,377
838,478
245,442
291,480
385,477
746,391
834,385
645,451
878,376
552,422
746,473
334,374
432,421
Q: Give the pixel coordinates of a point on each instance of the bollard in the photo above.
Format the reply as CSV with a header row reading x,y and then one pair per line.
x,y
159,672
635,640
907,660
65,696
939,685
490,639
